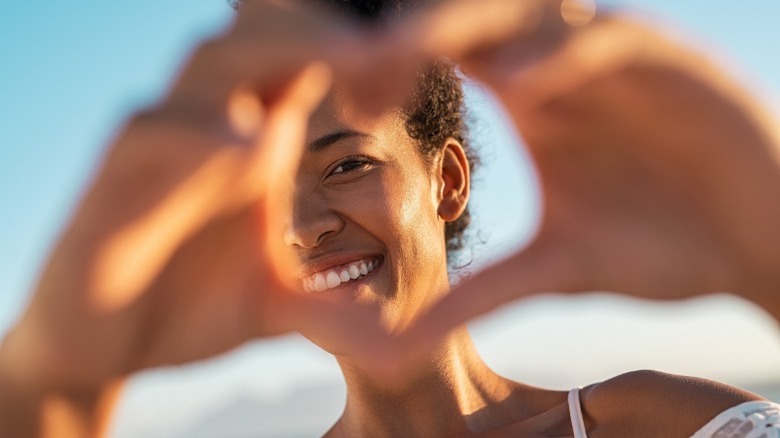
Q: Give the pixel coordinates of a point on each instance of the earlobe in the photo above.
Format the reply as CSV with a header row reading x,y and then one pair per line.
x,y
455,179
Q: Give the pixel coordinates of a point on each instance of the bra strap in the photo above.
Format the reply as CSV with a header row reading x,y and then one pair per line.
x,y
575,413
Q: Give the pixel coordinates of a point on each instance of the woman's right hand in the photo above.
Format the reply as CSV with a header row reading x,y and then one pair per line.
x,y
171,256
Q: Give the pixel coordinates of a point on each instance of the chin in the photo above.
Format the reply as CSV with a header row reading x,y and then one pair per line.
x,y
340,345
338,348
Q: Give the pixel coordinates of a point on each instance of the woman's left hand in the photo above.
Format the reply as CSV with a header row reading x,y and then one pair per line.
x,y
660,176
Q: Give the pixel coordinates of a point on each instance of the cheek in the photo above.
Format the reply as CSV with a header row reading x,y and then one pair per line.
x,y
398,208
393,210
417,235
415,212
394,203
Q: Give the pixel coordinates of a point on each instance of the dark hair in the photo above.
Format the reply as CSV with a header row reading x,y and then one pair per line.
x,y
436,111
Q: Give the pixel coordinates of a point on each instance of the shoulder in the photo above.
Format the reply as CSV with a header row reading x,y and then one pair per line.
x,y
651,403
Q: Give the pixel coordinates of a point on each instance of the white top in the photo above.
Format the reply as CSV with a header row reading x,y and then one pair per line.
x,y
754,419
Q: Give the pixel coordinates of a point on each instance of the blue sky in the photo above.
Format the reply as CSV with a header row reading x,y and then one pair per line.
x,y
72,71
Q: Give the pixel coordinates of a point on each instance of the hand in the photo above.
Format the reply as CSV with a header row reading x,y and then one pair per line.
x,y
660,176
173,254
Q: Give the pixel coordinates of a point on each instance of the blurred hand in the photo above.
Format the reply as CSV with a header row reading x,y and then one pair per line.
x,y
175,253
660,176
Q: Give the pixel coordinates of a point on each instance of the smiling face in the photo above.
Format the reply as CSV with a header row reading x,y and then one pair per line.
x,y
370,210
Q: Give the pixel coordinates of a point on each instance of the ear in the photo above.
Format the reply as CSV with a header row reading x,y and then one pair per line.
x,y
455,179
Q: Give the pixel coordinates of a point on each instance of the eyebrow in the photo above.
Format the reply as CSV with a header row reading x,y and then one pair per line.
x,y
323,142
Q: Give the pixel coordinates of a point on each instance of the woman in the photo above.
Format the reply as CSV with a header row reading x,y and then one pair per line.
x,y
382,191
370,216
136,280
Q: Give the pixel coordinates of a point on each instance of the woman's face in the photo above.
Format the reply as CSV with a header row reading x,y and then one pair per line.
x,y
366,220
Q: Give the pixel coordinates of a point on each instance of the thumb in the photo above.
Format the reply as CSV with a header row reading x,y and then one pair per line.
x,y
584,56
278,158
355,330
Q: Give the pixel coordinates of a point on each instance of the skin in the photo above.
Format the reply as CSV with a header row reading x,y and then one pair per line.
x,y
388,200
372,193
210,164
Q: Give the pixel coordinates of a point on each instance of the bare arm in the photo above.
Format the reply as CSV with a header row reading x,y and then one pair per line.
x,y
651,404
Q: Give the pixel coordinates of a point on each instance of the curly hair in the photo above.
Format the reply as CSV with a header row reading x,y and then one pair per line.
x,y
436,111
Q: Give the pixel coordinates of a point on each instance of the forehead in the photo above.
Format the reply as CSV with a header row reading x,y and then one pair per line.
x,y
339,111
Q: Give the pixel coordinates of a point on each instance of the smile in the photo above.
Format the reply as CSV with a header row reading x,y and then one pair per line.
x,y
334,277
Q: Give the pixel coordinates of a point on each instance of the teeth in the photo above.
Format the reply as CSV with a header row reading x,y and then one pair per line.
x,y
330,279
333,279
319,283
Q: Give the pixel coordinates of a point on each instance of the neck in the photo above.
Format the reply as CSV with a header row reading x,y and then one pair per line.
x,y
455,394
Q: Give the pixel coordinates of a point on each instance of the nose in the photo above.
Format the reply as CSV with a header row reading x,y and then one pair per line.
x,y
311,222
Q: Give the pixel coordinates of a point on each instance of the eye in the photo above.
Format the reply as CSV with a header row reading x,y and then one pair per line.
x,y
351,164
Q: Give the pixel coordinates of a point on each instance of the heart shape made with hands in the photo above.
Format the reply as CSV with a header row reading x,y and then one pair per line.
x,y
659,179
630,132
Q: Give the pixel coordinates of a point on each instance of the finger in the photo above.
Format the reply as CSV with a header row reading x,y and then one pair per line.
x,y
587,55
531,46
456,28
449,29
268,42
220,67
350,330
277,157
462,30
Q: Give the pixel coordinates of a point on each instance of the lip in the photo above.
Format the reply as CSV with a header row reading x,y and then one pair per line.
x,y
332,261
316,281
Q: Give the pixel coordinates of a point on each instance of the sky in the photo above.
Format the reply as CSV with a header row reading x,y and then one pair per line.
x,y
73,71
